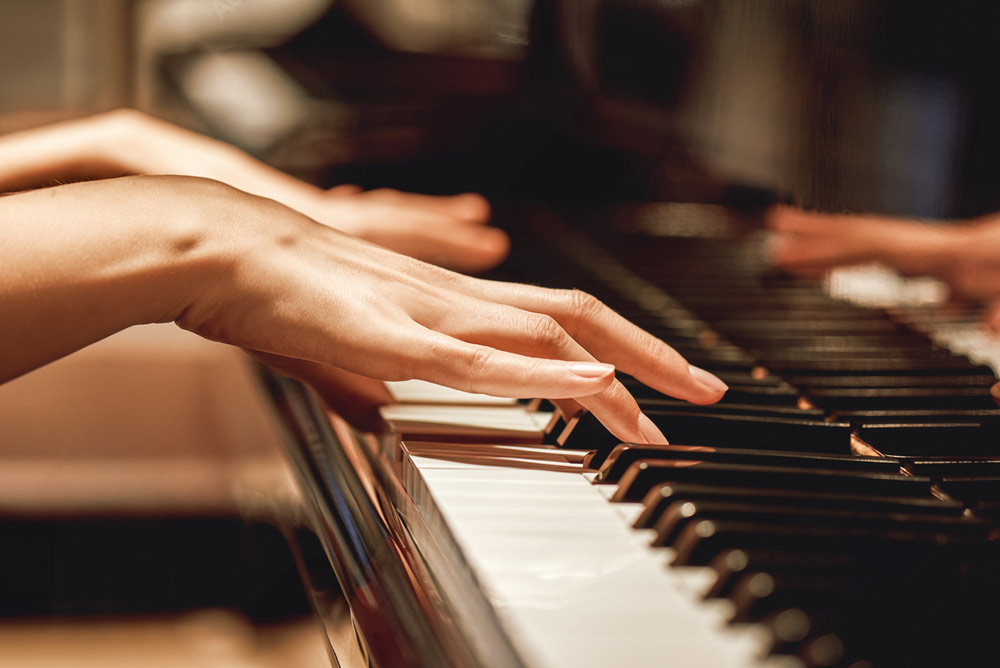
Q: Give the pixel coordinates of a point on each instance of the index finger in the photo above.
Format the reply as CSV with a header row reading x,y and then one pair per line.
x,y
611,338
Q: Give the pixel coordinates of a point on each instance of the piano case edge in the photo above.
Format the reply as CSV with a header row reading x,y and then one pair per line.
x,y
413,598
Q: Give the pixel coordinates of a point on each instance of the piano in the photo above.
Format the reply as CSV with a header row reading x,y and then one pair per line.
x,y
838,508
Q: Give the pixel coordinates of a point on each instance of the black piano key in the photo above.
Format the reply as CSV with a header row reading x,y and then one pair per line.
x,y
678,515
972,489
625,454
772,433
988,418
869,367
701,541
926,380
732,564
938,468
725,408
757,376
931,439
757,595
743,392
661,496
808,326
788,629
903,397
587,433
643,475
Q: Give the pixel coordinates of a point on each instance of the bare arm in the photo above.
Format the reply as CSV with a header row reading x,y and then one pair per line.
x,y
445,230
79,262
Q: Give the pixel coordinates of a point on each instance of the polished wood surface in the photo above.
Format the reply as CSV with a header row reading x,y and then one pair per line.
x,y
150,437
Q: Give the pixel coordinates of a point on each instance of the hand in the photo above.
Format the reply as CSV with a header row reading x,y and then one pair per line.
x,y
294,288
82,261
965,255
447,231
450,231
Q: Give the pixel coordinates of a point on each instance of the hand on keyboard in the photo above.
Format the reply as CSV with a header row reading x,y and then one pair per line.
x,y
447,231
966,255
450,231
84,260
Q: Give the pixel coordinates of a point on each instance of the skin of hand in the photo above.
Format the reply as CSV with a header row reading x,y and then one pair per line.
x,y
450,231
81,261
966,254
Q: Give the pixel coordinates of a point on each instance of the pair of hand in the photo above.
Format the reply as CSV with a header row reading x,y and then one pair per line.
x,y
965,254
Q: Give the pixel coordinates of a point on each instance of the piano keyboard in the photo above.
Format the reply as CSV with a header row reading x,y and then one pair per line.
x,y
837,508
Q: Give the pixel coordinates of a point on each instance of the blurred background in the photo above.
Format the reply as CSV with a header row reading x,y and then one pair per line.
x,y
137,471
879,106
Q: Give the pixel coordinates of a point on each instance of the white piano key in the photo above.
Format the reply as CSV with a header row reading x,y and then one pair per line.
x,y
423,392
572,584
500,422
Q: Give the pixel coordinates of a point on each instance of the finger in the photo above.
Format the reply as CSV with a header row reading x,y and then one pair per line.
x,y
609,337
617,410
468,207
792,220
344,190
540,335
476,368
568,408
813,255
991,318
460,247
354,397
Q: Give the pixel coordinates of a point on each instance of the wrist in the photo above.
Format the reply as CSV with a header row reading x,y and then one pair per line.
x,y
82,261
201,240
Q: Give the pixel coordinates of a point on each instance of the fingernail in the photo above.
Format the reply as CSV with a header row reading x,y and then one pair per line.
x,y
650,431
592,369
706,379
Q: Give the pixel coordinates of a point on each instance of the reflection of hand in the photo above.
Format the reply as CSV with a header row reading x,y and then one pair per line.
x,y
965,255
81,261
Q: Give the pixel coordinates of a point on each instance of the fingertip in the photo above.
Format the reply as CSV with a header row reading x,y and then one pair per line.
x,y
592,370
481,251
776,248
344,189
650,432
496,242
471,206
710,387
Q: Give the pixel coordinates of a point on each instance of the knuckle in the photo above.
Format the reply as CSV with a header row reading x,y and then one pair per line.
x,y
479,357
584,305
544,330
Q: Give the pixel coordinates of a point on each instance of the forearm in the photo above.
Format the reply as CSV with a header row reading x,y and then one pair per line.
x,y
70,150
130,142
82,261
148,145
